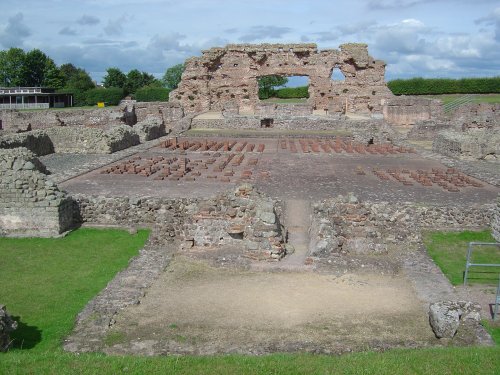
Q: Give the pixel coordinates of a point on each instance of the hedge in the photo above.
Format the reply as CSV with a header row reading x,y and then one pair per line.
x,y
437,86
110,96
152,94
293,92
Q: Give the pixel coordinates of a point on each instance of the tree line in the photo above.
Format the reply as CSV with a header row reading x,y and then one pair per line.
x,y
35,69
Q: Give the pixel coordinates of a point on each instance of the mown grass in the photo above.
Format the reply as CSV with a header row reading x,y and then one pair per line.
x,y
423,361
486,98
45,282
449,251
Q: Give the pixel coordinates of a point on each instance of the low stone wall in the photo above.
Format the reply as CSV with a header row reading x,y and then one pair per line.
x,y
36,141
15,120
244,217
167,112
345,225
408,110
83,140
473,116
283,110
495,221
149,129
30,204
477,145
427,130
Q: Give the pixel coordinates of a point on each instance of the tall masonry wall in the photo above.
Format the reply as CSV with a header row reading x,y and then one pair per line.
x,y
229,75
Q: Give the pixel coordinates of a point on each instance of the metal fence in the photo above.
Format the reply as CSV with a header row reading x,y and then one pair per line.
x,y
468,262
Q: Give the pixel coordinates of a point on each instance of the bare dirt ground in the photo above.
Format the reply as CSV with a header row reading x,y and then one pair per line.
x,y
195,308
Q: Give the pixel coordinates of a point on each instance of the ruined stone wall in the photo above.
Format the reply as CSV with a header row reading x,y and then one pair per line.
x,y
408,110
15,120
476,116
477,145
427,130
229,74
282,110
495,221
37,141
244,217
83,140
167,112
345,225
150,128
30,204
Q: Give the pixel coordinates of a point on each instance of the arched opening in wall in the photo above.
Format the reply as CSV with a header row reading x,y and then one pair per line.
x,y
337,75
284,89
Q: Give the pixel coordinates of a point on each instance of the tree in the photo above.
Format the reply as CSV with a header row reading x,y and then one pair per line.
x,y
78,84
172,76
137,79
11,67
34,68
114,78
268,83
53,76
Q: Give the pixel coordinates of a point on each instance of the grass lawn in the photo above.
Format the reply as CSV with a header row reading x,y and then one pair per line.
x,y
45,282
486,98
449,251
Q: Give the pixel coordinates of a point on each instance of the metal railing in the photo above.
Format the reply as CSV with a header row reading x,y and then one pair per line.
x,y
25,106
468,262
462,100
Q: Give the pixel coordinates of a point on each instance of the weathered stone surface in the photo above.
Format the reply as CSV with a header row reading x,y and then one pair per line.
x,y
345,225
30,204
7,325
495,221
477,145
229,75
151,127
446,317
404,110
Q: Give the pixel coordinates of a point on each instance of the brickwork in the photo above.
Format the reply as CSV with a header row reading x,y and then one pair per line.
x,y
405,110
30,203
495,221
229,74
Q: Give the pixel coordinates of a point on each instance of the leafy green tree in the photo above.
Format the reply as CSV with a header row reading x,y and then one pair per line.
x,y
78,84
34,68
137,79
67,72
114,78
11,67
53,76
268,83
172,76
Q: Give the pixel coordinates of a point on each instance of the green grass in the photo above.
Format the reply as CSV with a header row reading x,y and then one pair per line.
x,y
423,361
46,282
449,252
489,98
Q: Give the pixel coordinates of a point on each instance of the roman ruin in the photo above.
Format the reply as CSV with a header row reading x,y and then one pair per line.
x,y
283,215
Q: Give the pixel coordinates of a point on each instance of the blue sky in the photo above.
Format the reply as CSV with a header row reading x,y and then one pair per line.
x,y
429,38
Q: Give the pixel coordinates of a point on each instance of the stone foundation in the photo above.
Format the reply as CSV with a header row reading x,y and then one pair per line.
x,y
406,110
244,217
345,225
30,204
495,221
477,145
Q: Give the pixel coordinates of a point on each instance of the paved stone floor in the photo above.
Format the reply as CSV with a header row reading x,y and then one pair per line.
x,y
309,169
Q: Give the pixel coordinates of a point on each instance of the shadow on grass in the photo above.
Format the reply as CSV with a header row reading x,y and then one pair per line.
x,y
25,336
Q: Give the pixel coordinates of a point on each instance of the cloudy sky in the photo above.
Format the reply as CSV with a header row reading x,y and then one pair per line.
x,y
429,38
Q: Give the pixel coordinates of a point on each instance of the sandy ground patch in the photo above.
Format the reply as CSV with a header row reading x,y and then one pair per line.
x,y
194,308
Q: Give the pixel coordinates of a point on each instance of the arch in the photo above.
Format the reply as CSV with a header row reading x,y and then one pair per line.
x,y
337,75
